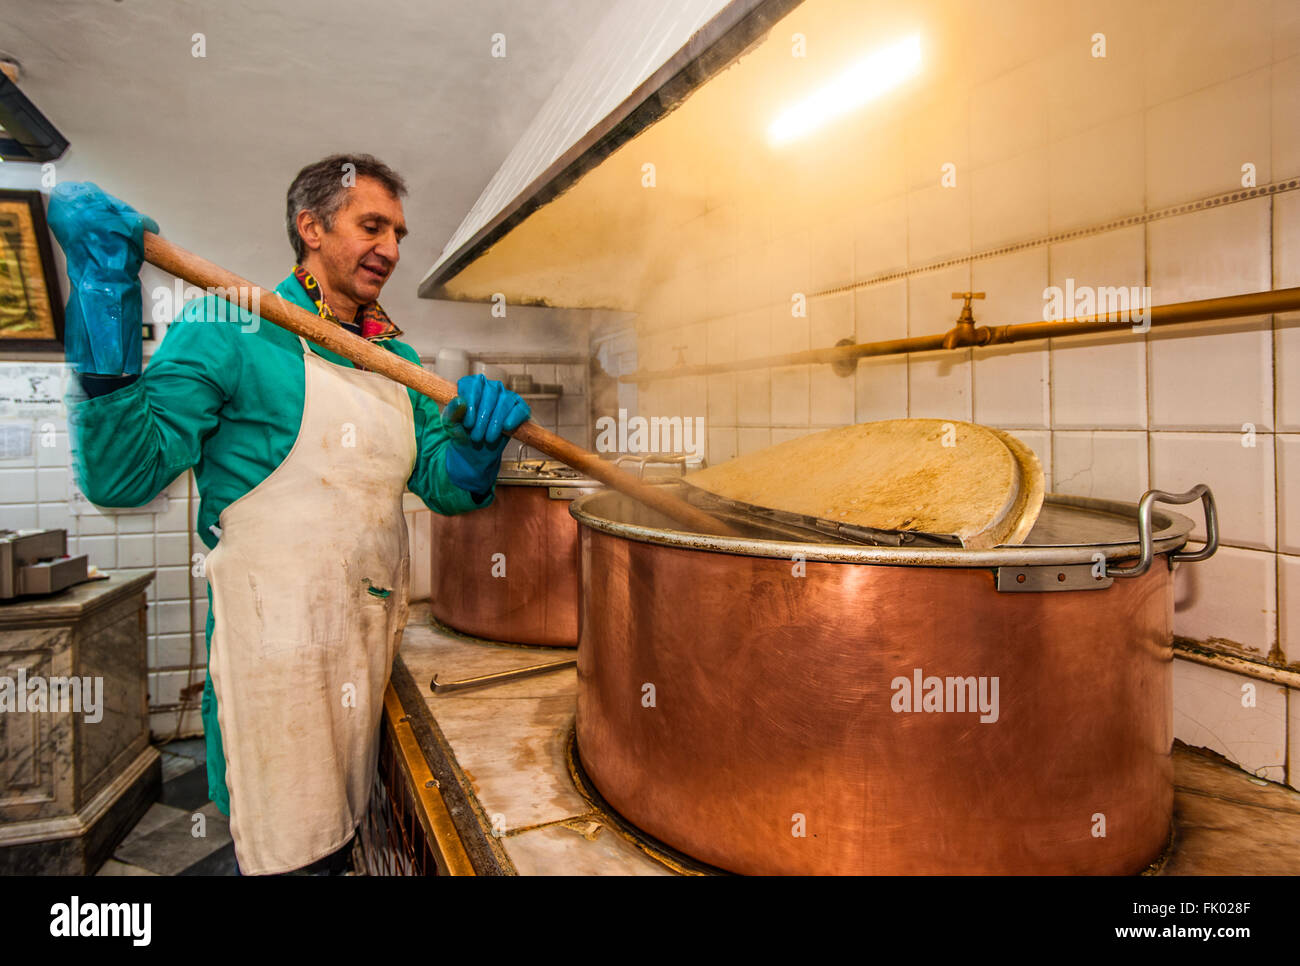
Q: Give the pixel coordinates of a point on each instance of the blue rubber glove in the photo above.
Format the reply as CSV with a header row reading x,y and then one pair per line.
x,y
103,239
478,419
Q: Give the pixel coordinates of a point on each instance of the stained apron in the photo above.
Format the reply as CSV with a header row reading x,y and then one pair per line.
x,y
309,583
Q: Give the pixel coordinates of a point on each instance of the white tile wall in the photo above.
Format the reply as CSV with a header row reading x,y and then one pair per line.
x,y
723,445
1293,730
1286,343
935,138
1286,274
1099,381
1211,711
832,256
881,246
830,319
790,396
832,401
1102,465
881,389
938,222
1286,106
1214,36
754,398
1011,387
1009,200
1011,383
721,335
568,416
750,440
789,271
1085,91
939,384
1231,597
1241,478
1288,610
1288,493
165,686
790,333
881,311
1208,254
880,384
1096,174
1197,144
1221,380
1009,113
722,400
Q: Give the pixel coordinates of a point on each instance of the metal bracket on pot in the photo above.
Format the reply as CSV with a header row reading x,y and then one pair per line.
x,y
1199,491
1038,580
569,492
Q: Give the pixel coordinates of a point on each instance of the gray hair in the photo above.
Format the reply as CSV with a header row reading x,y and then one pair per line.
x,y
321,189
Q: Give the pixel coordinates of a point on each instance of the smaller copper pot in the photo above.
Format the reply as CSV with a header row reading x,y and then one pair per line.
x,y
510,572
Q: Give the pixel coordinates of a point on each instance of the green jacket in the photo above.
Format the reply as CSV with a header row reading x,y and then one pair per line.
x,y
225,398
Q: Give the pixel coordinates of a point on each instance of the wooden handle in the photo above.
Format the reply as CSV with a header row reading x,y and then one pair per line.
x,y
212,278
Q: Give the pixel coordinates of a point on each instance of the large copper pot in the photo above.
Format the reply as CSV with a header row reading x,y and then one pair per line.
x,y
510,572
741,699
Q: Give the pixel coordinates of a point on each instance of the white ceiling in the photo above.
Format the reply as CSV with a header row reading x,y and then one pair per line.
x,y
209,146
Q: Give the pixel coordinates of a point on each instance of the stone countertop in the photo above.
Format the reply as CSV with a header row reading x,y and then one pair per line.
x,y
509,741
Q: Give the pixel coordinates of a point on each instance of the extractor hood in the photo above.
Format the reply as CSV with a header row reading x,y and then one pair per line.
x,y
643,61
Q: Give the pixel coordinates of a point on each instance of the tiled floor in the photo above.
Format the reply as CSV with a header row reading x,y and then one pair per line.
x,y
182,833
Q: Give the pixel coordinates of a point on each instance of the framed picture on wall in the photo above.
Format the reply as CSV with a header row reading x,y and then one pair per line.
x,y
31,308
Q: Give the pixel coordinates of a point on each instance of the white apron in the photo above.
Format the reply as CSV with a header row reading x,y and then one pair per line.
x,y
302,648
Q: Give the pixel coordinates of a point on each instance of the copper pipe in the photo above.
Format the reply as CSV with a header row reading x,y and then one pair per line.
x,y
211,278
966,334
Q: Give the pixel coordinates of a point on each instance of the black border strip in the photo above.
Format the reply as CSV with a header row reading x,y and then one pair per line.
x,y
486,853
734,30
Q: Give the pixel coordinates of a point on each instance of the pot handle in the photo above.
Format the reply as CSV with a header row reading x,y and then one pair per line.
x,y
648,459
1201,491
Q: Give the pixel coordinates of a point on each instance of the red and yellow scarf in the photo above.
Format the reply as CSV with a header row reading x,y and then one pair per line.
x,y
374,321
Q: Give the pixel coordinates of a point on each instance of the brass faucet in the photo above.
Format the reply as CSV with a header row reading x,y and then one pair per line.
x,y
966,332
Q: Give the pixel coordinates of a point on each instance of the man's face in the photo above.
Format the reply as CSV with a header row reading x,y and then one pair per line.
x,y
359,252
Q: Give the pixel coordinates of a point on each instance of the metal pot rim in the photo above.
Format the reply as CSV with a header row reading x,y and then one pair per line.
x,y
584,482
546,473
1171,531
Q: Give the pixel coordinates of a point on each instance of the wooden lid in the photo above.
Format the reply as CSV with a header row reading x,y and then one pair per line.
x,y
1033,488
929,475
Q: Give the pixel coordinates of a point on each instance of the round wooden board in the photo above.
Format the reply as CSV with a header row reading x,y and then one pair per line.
x,y
930,475
1032,489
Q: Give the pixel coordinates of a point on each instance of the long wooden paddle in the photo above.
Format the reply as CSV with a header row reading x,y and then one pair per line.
x,y
209,277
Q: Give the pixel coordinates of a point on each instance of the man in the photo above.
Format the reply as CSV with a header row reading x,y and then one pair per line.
x,y
301,460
